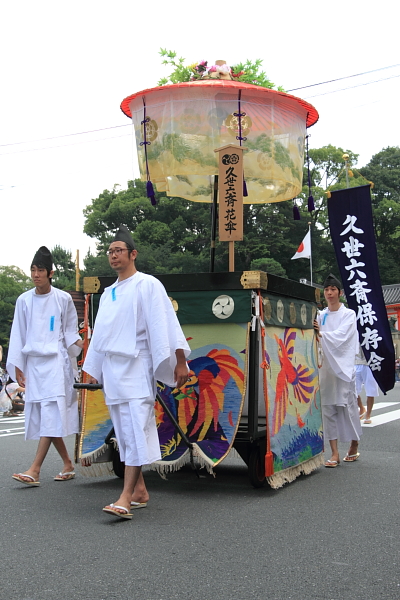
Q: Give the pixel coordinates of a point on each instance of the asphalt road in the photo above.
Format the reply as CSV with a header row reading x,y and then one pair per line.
x,y
331,535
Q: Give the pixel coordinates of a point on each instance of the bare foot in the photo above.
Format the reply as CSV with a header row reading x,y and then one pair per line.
x,y
353,448
30,474
118,507
335,459
68,468
140,497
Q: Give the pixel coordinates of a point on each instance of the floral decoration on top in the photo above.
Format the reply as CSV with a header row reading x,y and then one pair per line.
x,y
248,72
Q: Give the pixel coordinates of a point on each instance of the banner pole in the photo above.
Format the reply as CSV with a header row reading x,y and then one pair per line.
x,y
309,229
214,211
231,256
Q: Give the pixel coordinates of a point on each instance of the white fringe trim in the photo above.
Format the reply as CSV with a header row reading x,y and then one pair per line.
x,y
279,479
89,465
200,459
96,470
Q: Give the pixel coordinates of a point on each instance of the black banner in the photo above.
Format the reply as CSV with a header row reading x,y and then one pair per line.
x,y
352,233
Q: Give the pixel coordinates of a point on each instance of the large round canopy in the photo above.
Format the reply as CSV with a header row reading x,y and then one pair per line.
x,y
186,122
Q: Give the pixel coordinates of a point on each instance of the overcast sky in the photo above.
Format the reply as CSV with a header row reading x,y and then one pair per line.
x,y
66,67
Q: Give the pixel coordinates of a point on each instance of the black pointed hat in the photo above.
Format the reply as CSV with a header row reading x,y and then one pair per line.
x,y
124,235
43,259
332,280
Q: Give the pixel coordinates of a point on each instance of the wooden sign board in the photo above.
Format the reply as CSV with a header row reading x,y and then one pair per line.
x,y
230,193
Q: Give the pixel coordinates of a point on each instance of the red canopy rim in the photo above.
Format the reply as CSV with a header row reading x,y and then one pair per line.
x,y
312,113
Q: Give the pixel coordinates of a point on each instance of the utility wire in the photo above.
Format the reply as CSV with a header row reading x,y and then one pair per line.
x,y
341,78
66,135
67,145
352,86
129,124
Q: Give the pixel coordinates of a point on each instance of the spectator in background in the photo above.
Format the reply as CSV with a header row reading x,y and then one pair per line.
x,y
11,401
336,327
365,378
44,339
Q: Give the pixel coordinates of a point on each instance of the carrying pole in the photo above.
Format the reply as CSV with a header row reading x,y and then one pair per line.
x,y
214,224
311,275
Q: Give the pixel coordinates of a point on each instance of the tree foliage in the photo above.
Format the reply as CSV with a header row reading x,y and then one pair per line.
x,y
174,236
64,272
384,171
13,282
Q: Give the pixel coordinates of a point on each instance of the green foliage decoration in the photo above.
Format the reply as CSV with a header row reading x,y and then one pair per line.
x,y
247,72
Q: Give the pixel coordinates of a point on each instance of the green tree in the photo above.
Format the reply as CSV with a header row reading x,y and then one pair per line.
x,y
64,272
174,236
13,282
171,237
268,264
384,171
327,171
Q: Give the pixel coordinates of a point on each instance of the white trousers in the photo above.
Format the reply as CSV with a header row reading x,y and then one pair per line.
x,y
341,422
136,431
50,418
364,377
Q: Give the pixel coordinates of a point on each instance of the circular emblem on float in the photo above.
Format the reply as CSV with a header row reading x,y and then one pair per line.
x,y
174,304
151,129
190,122
267,309
232,124
264,161
230,159
280,311
292,313
303,314
223,307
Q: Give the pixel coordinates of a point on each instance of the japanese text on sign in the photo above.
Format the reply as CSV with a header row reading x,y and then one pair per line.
x,y
366,315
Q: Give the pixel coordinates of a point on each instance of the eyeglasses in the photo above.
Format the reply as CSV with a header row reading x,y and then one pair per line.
x,y
116,251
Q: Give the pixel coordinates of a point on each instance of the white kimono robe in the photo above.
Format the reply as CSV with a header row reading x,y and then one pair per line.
x,y
133,345
337,375
42,346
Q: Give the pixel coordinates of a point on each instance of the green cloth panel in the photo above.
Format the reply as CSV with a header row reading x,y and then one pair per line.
x,y
197,306
291,312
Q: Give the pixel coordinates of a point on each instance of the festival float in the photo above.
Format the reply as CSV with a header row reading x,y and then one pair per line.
x,y
253,384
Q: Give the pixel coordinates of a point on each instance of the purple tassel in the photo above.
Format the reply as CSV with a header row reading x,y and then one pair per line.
x,y
150,192
244,189
296,213
311,205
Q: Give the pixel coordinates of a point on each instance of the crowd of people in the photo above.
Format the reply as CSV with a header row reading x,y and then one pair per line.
x,y
137,341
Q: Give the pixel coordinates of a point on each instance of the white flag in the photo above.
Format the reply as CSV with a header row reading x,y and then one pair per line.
x,y
304,250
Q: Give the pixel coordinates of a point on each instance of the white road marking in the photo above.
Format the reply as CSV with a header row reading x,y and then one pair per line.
x,y
13,429
382,419
378,405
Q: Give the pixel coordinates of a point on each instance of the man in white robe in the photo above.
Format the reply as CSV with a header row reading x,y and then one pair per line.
x,y
337,330
44,342
137,340
365,378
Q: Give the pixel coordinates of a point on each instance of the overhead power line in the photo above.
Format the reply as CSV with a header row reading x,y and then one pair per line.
x,y
63,136
350,87
341,78
129,124
67,145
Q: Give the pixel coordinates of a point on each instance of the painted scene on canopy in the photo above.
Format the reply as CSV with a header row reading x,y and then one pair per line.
x,y
295,421
209,407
